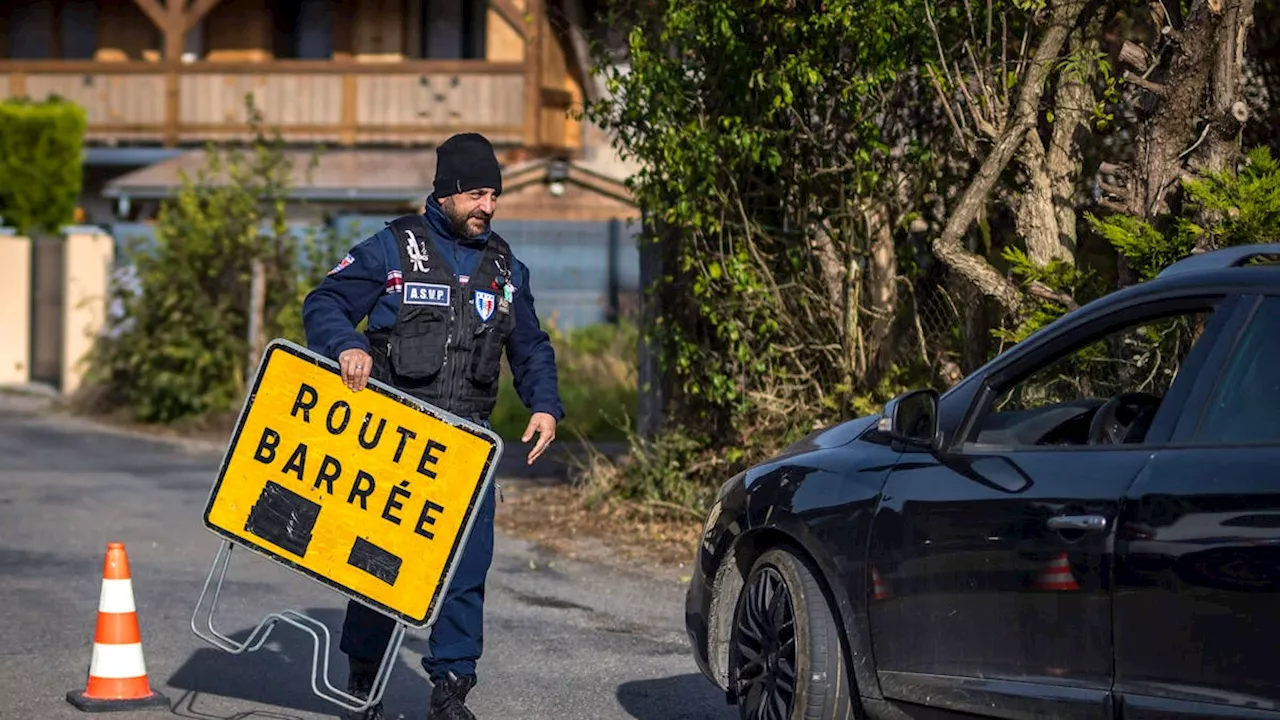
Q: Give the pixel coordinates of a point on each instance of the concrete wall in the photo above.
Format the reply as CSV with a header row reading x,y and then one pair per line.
x,y
89,254
15,309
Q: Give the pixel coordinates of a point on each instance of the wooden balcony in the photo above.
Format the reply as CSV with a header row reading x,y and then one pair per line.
x,y
336,102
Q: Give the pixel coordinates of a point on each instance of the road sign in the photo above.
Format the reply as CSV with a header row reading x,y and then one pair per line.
x,y
371,493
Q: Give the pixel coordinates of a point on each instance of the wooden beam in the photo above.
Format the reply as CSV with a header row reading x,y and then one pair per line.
x,y
153,10
272,67
577,50
533,76
174,43
350,109
556,99
17,84
509,12
408,129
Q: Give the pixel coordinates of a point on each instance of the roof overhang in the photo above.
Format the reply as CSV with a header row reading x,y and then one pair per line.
x,y
383,176
338,175
581,173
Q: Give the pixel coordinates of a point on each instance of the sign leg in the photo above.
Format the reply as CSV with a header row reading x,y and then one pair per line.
x,y
320,637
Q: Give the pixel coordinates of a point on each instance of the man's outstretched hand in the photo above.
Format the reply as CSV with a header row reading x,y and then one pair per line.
x,y
545,425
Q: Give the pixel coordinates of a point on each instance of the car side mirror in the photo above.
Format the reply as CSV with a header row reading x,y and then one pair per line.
x,y
912,418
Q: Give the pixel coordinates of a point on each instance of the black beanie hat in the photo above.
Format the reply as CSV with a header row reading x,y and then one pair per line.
x,y
465,162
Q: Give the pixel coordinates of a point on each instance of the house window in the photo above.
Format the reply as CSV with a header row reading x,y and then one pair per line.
x,y
310,34
453,29
78,23
30,30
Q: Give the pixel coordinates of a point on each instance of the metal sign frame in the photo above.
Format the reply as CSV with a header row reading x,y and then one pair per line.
x,y
320,635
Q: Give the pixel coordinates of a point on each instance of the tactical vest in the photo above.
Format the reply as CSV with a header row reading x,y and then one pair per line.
x,y
446,345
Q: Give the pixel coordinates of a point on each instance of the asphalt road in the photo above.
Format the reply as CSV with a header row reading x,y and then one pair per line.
x,y
564,640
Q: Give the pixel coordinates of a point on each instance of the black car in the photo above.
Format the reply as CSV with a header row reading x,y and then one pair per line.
x,y
1086,527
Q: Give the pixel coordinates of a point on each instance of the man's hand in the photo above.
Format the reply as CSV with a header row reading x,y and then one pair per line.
x,y
356,366
545,425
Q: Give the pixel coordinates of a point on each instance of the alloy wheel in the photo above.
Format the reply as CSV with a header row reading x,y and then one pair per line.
x,y
766,648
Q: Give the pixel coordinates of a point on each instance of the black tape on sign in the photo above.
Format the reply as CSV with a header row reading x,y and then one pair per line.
x,y
375,561
284,518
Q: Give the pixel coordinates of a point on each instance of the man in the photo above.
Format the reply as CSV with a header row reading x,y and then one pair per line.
x,y
444,296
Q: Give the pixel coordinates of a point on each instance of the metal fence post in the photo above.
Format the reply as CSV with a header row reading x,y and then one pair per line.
x,y
650,403
615,242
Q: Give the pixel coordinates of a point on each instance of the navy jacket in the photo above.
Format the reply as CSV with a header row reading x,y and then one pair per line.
x,y
367,284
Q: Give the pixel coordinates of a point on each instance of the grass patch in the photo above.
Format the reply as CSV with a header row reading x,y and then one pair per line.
x,y
598,380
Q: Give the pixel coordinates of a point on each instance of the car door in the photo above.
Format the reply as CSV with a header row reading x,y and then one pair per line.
x,y
991,559
1197,604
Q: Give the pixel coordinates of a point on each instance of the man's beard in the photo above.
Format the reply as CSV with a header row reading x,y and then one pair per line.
x,y
458,223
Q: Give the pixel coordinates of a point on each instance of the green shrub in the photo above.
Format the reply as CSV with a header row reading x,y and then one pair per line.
x,y
41,149
179,349
1224,209
597,370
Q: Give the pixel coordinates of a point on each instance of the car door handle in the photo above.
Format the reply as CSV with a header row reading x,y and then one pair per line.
x,y
1086,523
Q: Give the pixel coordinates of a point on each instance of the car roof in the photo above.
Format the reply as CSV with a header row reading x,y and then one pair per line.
x,y
1226,270
1224,259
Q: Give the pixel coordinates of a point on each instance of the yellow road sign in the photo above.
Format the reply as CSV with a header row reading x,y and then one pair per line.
x,y
371,493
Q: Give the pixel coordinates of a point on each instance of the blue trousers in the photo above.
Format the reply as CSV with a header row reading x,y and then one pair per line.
x,y
457,638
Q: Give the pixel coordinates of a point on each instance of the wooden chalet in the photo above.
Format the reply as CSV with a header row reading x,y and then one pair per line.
x,y
347,73
379,83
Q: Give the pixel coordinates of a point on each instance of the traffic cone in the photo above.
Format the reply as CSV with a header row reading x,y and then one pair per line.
x,y
878,586
117,670
1056,576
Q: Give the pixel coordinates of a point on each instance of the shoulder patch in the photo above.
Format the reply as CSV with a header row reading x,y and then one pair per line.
x,y
346,261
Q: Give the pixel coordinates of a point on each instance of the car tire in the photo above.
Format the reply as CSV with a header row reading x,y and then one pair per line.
x,y
785,653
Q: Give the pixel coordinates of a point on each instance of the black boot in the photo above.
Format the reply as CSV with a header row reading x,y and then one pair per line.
x,y
359,683
449,696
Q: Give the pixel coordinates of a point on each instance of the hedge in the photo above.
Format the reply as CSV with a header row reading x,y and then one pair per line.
x,y
41,159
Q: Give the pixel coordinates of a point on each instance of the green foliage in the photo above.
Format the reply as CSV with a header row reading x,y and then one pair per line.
x,y
180,346
597,370
1223,209
770,137
1147,249
1062,285
761,140
1086,66
657,470
1246,206
41,148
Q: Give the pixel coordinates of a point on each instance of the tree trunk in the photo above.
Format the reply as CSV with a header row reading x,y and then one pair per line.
x,y
855,366
1228,108
1207,58
830,265
1073,110
1045,213
1034,213
948,248
881,297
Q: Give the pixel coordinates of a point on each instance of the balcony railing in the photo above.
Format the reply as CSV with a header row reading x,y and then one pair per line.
x,y
342,103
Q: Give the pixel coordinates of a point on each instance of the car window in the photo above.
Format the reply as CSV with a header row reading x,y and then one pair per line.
x,y
1057,403
1245,405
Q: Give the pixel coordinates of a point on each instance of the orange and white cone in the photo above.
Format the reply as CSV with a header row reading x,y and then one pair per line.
x,y
877,585
1056,576
117,670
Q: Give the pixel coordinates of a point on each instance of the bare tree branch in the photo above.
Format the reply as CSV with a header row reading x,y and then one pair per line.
x,y
1152,87
948,247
